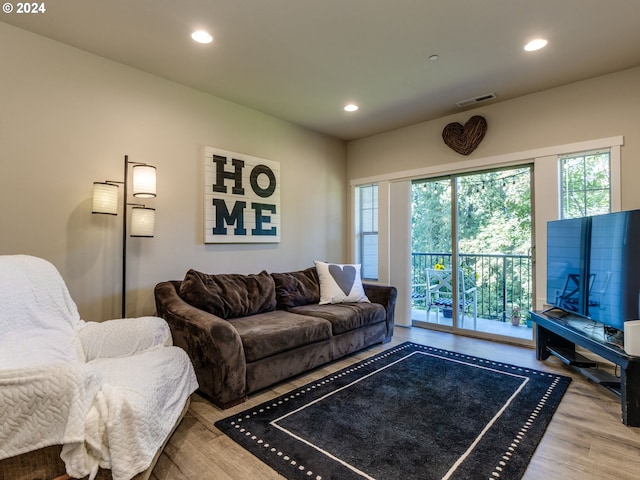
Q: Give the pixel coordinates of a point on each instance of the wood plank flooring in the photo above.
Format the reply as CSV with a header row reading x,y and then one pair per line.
x,y
586,439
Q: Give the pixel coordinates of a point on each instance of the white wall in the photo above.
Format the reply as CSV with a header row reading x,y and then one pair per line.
x,y
67,118
602,107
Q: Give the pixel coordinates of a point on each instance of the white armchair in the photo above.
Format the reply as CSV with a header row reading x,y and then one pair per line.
x,y
102,395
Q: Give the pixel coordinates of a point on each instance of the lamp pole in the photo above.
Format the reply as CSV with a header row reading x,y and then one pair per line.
x,y
124,238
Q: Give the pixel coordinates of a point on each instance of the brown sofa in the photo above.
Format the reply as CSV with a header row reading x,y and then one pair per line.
x,y
246,332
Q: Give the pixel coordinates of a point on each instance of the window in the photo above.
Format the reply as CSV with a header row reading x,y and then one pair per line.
x,y
368,230
585,180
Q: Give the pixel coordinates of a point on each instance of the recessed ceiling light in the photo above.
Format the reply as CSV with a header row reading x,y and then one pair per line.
x,y
433,58
536,44
351,107
201,36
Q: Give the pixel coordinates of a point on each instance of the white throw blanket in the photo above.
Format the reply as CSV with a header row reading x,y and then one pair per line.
x,y
43,406
109,392
132,413
38,318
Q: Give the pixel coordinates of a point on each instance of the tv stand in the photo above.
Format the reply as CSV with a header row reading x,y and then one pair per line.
x,y
559,335
571,357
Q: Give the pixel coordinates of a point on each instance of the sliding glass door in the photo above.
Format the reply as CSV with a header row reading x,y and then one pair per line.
x,y
471,253
431,251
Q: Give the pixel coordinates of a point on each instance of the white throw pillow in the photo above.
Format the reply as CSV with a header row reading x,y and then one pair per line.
x,y
340,283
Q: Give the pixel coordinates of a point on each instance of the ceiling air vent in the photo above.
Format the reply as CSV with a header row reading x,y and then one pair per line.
x,y
474,100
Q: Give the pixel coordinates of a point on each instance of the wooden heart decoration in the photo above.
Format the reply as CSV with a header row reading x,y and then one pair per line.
x,y
465,139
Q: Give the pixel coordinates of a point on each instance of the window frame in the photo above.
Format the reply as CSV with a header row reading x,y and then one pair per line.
x,y
563,193
362,234
546,207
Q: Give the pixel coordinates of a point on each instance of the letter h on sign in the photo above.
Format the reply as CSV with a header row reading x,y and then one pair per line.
x,y
241,198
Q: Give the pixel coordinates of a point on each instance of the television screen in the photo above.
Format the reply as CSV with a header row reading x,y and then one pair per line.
x,y
593,267
567,245
614,263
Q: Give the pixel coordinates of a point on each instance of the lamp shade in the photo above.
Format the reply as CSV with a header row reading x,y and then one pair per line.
x,y
105,198
143,221
144,181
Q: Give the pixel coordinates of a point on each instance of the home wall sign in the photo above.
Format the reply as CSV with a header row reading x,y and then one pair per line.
x,y
465,139
241,198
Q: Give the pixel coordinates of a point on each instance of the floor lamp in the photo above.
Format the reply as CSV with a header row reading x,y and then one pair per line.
x,y
105,201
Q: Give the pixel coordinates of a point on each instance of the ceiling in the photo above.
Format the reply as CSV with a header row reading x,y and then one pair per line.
x,y
303,60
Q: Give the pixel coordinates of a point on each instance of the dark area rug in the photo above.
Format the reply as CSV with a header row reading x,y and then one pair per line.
x,y
412,412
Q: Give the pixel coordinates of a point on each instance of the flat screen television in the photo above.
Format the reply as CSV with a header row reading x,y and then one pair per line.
x,y
593,267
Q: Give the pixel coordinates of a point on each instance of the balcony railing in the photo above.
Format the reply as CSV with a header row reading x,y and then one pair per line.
x,y
502,280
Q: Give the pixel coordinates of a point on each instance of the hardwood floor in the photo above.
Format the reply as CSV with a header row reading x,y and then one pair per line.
x,y
585,441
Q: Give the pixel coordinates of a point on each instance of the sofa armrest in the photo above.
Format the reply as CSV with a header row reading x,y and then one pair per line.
x,y
386,296
212,343
122,337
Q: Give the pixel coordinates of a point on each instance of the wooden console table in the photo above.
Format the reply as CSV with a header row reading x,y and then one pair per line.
x,y
558,335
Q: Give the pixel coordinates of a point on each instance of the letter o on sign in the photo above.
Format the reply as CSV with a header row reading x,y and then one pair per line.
x,y
255,173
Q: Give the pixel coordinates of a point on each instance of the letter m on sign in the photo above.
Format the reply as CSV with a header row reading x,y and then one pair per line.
x,y
241,198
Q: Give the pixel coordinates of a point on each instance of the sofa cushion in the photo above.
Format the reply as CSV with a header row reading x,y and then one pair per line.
x,y
269,333
229,295
345,316
340,283
296,288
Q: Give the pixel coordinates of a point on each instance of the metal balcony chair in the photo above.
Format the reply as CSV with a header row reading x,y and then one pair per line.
x,y
439,294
